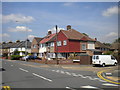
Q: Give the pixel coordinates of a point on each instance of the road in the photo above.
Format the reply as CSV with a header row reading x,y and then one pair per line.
x,y
21,74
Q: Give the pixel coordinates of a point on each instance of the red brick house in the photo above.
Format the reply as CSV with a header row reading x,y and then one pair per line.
x,y
68,42
71,41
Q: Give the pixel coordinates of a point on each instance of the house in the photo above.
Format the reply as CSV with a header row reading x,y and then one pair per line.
x,y
115,47
101,47
5,48
71,42
47,46
35,46
22,47
65,43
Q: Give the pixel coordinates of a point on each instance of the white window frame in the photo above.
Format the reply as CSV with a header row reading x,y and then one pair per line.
x,y
52,44
84,47
65,42
59,43
34,46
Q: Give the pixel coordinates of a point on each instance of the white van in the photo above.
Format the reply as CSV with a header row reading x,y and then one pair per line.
x,y
103,60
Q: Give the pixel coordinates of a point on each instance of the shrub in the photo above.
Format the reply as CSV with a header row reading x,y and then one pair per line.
x,y
108,53
15,57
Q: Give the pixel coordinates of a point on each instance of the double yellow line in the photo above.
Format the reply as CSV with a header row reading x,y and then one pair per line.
x,y
6,87
101,77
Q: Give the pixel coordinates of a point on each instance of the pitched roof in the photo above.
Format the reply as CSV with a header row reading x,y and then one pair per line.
x,y
38,39
99,44
75,35
16,45
47,38
6,45
115,45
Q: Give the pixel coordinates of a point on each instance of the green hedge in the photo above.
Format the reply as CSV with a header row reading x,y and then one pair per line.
x,y
15,57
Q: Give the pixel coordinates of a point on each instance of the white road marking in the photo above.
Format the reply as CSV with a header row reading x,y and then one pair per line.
x,y
42,77
70,88
74,74
53,70
108,84
62,72
57,71
11,65
108,74
79,75
102,80
88,86
67,73
23,70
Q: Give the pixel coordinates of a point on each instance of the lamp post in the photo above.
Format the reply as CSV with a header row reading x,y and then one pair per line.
x,y
56,45
25,40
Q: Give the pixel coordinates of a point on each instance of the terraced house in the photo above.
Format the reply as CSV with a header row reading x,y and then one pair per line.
x,y
65,43
7,49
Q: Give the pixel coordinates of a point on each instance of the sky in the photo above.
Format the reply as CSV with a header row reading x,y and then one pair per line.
x,y
21,20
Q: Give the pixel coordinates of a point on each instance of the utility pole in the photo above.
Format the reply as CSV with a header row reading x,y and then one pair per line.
x,y
56,45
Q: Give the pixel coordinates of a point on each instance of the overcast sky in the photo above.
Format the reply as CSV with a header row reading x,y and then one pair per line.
x,y
98,20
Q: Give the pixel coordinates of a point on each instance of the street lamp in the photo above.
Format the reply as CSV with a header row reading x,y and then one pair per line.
x,y
25,40
56,45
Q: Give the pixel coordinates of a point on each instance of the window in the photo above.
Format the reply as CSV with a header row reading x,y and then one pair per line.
x,y
83,46
64,42
41,45
58,43
97,57
112,58
52,44
34,46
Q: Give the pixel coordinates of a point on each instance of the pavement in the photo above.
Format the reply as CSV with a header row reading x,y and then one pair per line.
x,y
21,74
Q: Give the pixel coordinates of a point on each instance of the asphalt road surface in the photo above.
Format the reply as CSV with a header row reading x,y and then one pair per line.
x,y
21,74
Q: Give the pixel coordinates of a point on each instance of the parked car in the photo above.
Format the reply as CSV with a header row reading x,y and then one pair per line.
x,y
104,60
2,69
30,57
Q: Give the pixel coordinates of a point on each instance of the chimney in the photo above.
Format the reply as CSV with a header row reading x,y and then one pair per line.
x,y
95,39
49,32
10,42
68,27
17,41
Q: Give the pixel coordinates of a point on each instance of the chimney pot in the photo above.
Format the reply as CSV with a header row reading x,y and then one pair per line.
x,y
49,32
95,39
68,27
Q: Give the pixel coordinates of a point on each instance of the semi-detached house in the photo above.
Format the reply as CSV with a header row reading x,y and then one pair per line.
x,y
65,43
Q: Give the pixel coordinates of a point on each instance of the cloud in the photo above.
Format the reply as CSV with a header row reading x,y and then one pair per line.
x,y
109,38
110,11
30,37
17,18
4,35
112,34
19,29
54,29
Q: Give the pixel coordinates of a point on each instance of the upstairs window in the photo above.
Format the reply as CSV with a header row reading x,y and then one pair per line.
x,y
34,46
65,42
41,45
59,43
52,44
83,46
